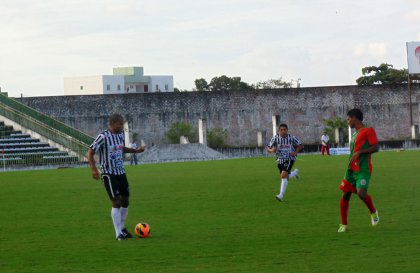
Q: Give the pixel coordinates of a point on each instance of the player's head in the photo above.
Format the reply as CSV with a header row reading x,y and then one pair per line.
x,y
116,123
283,129
354,116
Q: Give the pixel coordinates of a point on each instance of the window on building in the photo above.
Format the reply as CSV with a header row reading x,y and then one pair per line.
x,y
108,87
146,88
157,87
166,87
81,87
118,87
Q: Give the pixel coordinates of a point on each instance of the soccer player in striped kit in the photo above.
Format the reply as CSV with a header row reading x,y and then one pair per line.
x,y
110,146
359,170
286,148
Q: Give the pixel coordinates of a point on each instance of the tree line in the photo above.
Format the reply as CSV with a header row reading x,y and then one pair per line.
x,y
225,83
371,75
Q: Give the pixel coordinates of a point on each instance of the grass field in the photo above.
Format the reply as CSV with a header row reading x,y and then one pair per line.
x,y
218,216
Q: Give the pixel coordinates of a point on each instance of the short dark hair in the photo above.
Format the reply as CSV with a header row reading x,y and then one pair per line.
x,y
355,113
115,118
283,125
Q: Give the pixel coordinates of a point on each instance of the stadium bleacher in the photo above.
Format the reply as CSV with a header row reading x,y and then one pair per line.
x,y
21,149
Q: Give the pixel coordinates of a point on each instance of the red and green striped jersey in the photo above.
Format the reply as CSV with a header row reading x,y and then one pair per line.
x,y
360,140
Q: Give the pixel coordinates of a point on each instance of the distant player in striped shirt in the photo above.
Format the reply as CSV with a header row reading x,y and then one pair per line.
x,y
110,146
286,148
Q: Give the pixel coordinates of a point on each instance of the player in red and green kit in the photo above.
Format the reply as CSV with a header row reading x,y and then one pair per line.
x,y
357,177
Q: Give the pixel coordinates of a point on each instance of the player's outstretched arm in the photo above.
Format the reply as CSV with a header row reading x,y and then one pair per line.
x,y
91,160
134,151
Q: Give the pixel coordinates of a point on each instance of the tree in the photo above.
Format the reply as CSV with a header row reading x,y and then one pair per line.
x,y
217,137
179,129
273,84
180,90
225,83
332,124
382,74
201,85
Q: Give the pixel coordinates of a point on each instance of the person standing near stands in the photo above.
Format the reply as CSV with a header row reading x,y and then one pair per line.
x,y
325,143
133,156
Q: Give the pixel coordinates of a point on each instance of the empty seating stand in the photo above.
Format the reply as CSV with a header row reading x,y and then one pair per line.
x,y
21,149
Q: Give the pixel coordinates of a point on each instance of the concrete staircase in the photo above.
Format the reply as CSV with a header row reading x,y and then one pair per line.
x,y
17,148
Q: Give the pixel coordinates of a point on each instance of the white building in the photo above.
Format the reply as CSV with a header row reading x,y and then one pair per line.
x,y
123,80
94,85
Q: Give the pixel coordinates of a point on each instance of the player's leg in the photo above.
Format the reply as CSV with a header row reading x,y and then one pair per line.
x,y
284,174
348,187
125,196
116,217
124,213
295,173
362,185
124,209
283,185
362,188
111,187
367,199
280,167
344,209
322,149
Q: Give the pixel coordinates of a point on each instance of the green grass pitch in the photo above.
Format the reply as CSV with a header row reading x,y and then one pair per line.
x,y
218,216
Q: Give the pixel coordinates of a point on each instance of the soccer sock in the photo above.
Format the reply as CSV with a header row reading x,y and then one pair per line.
x,y
124,212
344,208
369,203
283,187
116,219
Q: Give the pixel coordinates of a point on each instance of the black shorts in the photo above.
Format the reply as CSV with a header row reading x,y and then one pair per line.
x,y
286,165
115,185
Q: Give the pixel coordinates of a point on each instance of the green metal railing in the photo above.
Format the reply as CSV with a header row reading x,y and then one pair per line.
x,y
52,129
37,159
47,120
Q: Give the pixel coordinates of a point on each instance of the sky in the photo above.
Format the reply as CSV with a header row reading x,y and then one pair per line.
x,y
322,42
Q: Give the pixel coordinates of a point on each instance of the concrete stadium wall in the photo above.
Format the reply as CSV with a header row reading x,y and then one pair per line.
x,y
243,113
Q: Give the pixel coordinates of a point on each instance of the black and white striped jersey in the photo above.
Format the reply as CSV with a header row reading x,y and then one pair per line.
x,y
285,146
110,147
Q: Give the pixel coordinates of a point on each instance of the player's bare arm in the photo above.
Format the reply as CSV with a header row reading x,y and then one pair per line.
x,y
370,150
134,151
298,150
92,164
272,150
